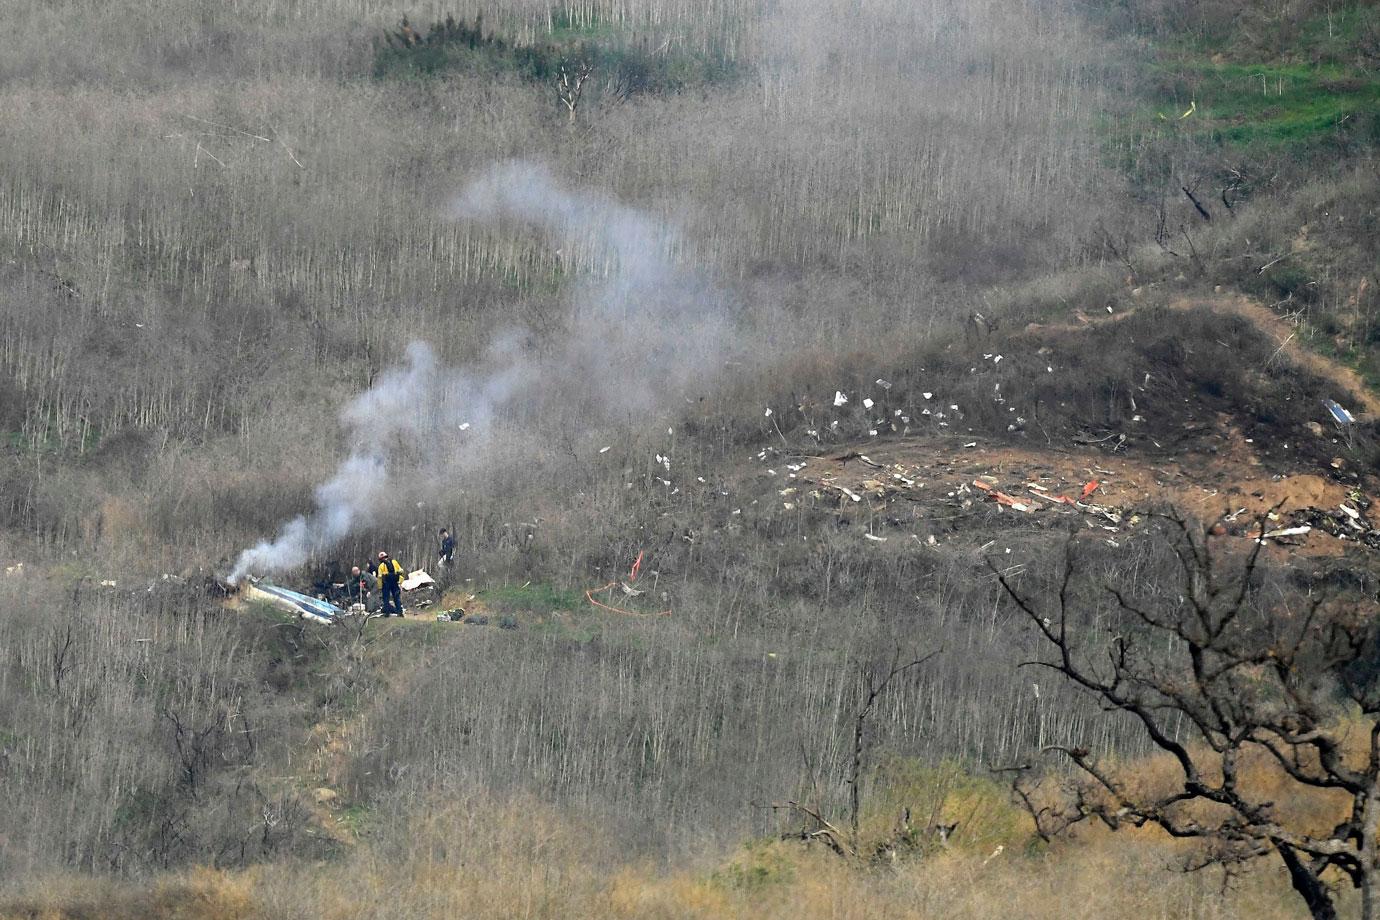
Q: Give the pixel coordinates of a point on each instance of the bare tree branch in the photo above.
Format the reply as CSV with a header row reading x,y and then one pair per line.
x,y
1223,677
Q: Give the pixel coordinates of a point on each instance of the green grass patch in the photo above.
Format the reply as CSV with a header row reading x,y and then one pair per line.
x,y
608,55
532,598
1305,93
51,443
1257,110
591,25
1363,360
356,818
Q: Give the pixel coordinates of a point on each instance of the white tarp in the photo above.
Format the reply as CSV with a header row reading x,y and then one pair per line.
x,y
417,579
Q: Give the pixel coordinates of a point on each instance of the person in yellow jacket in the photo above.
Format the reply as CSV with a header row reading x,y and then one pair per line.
x,y
390,575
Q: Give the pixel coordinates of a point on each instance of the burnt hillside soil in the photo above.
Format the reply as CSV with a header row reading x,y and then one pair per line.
x,y
1202,407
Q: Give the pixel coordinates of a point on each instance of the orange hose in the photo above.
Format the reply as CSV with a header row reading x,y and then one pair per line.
x,y
589,595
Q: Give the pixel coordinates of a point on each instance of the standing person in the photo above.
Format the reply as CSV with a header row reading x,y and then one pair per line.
x,y
447,550
362,584
390,576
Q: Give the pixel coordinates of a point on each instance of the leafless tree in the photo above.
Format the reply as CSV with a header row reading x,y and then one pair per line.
x,y
571,76
817,827
1225,673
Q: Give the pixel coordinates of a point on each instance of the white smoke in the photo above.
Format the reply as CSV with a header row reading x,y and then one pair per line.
x,y
642,329
404,405
636,334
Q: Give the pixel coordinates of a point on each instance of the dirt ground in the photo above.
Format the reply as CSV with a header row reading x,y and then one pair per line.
x,y
1213,472
948,474
1350,385
1367,403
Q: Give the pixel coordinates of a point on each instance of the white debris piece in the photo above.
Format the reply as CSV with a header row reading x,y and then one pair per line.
x,y
928,395
768,412
873,536
851,494
867,403
885,385
465,426
1287,532
604,450
416,579
839,398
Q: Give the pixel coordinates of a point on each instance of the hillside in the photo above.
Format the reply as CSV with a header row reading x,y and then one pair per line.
x,y
794,378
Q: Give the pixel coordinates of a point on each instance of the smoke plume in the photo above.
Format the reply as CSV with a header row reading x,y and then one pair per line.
x,y
636,332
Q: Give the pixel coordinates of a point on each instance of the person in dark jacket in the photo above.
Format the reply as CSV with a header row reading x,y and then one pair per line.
x,y
362,583
390,575
447,549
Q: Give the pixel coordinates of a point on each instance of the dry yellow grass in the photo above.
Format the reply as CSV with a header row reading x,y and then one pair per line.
x,y
524,860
